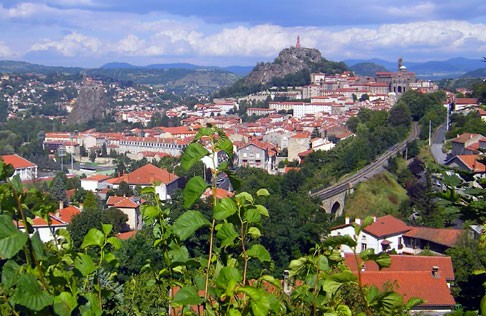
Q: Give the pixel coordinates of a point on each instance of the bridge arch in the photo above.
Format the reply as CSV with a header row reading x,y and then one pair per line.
x,y
336,209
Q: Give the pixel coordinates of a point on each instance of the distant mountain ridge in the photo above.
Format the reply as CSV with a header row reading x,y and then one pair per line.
x,y
238,70
451,68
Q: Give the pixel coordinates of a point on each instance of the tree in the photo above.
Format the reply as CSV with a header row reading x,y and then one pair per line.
x,y
58,187
92,156
90,202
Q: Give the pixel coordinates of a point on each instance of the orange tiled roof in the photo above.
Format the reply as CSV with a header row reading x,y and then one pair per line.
x,y
387,226
463,137
66,214
441,236
17,162
146,175
472,163
121,202
408,263
127,235
433,290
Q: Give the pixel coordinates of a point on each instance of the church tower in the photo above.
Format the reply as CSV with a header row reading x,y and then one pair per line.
x,y
297,45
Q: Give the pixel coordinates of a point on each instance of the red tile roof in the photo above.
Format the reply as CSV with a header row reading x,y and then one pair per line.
x,y
66,214
146,175
472,163
422,284
408,263
387,226
127,235
96,177
17,162
463,138
441,236
121,202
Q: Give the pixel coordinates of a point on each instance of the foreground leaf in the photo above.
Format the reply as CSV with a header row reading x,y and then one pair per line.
x,y
188,223
195,187
186,296
11,239
192,154
29,294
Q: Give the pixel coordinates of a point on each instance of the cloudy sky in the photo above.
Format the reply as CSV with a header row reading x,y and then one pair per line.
x,y
90,33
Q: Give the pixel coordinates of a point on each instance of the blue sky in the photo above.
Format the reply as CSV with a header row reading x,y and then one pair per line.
x,y
90,33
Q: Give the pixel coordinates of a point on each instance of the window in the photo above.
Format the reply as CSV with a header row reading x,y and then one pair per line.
x,y
363,246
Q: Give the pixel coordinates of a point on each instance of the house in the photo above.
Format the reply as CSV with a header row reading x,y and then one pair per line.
x,y
425,277
462,104
384,234
129,206
466,144
427,285
94,183
24,168
165,182
468,163
257,154
388,233
437,240
59,220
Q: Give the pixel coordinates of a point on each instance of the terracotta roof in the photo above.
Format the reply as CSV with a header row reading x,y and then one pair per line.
x,y
97,178
121,202
408,263
17,162
387,226
146,175
66,214
441,236
422,284
127,235
464,137
466,101
472,163
220,193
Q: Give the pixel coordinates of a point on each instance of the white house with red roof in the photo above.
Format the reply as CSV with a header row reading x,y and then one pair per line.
x,y
95,182
149,175
59,220
388,233
24,168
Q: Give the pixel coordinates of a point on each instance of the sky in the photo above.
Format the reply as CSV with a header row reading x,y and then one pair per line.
x,y
90,33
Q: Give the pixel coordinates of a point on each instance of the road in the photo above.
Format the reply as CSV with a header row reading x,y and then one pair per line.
x,y
367,172
436,146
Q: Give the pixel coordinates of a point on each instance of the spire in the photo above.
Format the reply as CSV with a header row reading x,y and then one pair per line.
x,y
297,45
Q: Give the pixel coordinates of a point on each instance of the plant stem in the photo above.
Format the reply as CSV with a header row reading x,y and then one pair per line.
x,y
210,256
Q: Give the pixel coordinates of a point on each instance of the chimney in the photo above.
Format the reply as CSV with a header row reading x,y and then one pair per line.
x,y
374,219
81,207
346,220
358,221
61,204
435,272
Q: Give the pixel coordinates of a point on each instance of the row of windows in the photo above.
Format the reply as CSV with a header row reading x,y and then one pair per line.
x,y
165,145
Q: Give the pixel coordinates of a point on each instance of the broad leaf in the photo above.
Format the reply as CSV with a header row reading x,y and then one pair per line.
x,y
192,154
244,198
11,239
178,254
225,145
413,301
334,241
186,296
226,275
30,294
38,246
262,210
84,264
10,274
259,252
92,307
94,237
64,304
254,232
204,131
253,216
188,223
323,263
260,302
106,228
482,305
224,208
391,300
262,192
115,242
383,260
226,233
195,187
16,183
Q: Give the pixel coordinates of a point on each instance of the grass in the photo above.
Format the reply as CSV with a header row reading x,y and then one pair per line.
x,y
381,195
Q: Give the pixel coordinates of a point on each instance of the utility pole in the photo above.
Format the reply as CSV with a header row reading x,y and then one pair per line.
x,y
430,132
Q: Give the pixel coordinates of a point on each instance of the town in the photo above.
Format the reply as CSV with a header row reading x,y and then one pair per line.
x,y
144,132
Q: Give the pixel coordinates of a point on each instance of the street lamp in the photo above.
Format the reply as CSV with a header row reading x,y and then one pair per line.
x,y
72,134
61,152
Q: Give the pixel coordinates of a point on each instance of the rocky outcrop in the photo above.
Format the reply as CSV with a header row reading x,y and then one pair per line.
x,y
289,61
92,103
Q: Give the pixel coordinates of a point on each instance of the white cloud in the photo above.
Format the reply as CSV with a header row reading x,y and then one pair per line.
x,y
5,51
71,45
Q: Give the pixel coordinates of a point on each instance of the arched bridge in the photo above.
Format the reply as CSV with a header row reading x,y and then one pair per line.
x,y
334,197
